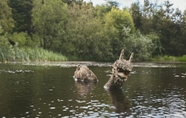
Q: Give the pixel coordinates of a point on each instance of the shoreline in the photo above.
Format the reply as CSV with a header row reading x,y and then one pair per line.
x,y
67,64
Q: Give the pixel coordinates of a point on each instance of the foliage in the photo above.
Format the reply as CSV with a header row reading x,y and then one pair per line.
x,y
136,14
119,19
105,8
21,13
49,21
84,38
28,54
82,31
156,46
182,58
141,45
22,39
3,40
166,22
6,21
167,58
118,25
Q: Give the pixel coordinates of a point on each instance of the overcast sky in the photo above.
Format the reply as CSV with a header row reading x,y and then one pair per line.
x,y
181,4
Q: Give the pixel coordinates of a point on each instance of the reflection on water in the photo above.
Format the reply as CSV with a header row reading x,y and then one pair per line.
x,y
84,88
121,103
152,90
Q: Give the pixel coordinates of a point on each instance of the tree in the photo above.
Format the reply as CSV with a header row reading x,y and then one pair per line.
x,y
84,39
183,31
136,14
6,21
117,23
163,21
169,30
105,8
101,10
49,19
3,40
21,12
148,12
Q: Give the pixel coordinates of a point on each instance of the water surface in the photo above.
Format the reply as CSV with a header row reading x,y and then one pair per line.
x,y
47,90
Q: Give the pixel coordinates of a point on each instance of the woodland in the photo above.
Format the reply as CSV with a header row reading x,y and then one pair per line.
x,y
58,30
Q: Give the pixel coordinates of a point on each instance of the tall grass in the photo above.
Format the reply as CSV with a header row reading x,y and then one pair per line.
x,y
182,58
28,54
170,58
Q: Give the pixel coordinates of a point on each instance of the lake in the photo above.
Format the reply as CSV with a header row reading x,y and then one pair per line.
x,y
44,90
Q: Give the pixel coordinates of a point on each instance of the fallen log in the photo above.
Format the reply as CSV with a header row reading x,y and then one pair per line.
x,y
120,72
84,74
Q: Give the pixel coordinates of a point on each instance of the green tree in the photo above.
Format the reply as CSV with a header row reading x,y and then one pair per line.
x,y
169,30
101,10
117,23
49,20
183,31
141,45
165,22
136,14
84,39
148,12
21,11
3,40
6,21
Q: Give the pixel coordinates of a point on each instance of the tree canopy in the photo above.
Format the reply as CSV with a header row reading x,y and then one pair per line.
x,y
6,20
81,31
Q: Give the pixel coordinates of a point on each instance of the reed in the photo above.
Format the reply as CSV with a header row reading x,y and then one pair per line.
x,y
28,54
166,58
182,58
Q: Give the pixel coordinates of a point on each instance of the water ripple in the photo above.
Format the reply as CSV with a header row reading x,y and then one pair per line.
x,y
16,71
67,64
171,106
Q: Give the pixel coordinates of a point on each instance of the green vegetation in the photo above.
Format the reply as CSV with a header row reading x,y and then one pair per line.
x,y
28,54
38,30
170,58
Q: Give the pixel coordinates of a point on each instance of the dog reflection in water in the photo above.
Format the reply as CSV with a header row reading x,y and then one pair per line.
x,y
121,103
83,89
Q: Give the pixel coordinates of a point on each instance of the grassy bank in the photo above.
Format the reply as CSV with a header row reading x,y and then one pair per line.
x,y
28,54
170,58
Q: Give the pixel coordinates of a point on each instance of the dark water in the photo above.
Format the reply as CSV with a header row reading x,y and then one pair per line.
x,y
48,90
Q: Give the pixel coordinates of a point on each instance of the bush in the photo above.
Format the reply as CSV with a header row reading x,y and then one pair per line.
x,y
182,59
22,39
19,38
140,44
